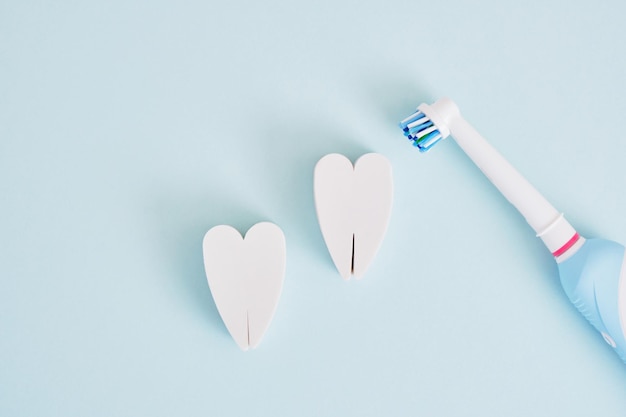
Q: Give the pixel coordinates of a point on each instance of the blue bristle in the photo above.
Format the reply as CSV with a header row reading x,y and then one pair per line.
x,y
412,118
428,141
419,128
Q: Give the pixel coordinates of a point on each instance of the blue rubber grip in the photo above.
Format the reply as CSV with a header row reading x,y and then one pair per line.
x,y
591,279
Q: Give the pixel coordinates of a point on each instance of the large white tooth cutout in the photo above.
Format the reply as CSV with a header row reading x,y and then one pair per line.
x,y
245,277
353,208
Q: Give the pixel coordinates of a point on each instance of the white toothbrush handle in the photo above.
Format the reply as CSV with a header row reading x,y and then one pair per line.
x,y
547,222
537,211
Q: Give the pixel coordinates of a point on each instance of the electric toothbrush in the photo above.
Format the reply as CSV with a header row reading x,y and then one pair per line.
x,y
592,271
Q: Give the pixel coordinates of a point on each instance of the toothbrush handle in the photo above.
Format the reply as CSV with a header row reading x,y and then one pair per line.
x,y
547,222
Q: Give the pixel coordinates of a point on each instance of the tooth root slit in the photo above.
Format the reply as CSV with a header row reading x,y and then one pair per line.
x,y
352,264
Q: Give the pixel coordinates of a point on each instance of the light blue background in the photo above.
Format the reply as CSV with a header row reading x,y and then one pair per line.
x,y
129,128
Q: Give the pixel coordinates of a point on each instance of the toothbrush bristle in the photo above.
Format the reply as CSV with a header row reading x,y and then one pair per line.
x,y
419,129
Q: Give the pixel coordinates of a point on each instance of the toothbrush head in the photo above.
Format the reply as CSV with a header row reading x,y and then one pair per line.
x,y
426,126
419,129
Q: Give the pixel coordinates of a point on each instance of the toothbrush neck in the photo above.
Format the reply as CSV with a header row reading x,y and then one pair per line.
x,y
546,221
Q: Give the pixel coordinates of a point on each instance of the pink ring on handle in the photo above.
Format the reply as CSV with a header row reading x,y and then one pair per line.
x,y
565,247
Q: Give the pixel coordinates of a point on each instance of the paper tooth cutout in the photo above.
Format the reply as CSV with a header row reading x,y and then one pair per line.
x,y
353,208
245,277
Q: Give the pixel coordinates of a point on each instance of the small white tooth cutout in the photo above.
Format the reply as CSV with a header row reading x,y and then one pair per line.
x,y
353,207
245,276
